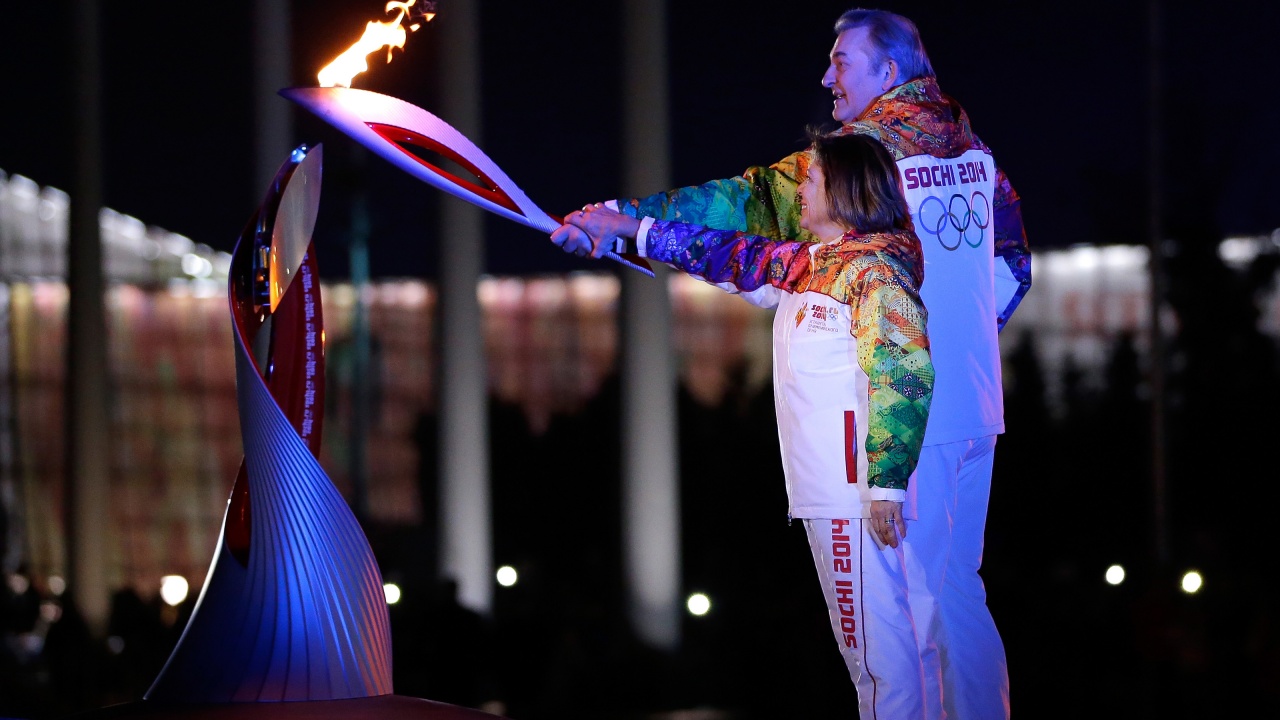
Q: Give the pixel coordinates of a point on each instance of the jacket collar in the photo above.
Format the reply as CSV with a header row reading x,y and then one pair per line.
x,y
904,246
917,118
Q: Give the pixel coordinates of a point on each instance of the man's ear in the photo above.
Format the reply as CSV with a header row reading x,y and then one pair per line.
x,y
890,75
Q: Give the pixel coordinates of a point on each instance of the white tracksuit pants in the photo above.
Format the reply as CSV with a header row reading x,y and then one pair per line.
x,y
864,584
943,551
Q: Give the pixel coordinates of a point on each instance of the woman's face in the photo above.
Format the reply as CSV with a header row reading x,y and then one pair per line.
x,y
814,213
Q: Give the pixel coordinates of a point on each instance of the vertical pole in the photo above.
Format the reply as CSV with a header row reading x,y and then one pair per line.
x,y
651,491
273,115
361,415
11,521
1156,269
466,542
88,451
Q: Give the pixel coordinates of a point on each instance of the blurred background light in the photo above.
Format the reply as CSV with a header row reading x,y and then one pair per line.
x,y
392,592
698,604
18,583
173,589
1192,581
1115,574
50,612
196,266
507,576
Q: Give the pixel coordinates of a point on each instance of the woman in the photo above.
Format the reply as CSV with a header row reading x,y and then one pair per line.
x,y
852,382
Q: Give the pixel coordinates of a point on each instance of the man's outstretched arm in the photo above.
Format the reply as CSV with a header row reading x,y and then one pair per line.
x,y
1013,276
761,201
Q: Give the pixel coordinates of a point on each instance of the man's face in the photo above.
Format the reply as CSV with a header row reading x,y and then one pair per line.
x,y
851,77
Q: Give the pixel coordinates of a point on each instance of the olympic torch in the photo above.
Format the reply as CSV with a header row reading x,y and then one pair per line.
x,y
407,136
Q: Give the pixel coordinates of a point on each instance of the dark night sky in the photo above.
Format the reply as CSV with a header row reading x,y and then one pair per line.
x,y
1060,92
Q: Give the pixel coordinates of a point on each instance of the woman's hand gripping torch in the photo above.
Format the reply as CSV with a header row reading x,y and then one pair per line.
x,y
390,127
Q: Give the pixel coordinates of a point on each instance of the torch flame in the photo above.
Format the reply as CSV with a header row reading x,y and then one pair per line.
x,y
377,35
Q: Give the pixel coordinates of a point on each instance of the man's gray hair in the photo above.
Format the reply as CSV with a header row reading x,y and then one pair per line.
x,y
892,37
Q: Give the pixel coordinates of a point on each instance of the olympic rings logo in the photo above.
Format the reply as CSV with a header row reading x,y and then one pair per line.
x,y
957,220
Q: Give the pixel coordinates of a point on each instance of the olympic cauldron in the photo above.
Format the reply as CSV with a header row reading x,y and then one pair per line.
x,y
292,620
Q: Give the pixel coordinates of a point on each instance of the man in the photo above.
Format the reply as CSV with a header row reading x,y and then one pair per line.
x,y
977,269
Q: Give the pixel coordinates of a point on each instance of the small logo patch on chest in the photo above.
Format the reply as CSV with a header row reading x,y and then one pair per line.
x,y
823,313
822,318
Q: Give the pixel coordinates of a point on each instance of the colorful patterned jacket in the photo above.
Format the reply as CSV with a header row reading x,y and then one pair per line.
x,y
966,214
853,378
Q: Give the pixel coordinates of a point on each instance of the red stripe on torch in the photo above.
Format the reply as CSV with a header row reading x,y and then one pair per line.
x,y
489,191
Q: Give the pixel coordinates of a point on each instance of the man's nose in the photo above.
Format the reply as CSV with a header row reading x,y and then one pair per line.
x,y
828,78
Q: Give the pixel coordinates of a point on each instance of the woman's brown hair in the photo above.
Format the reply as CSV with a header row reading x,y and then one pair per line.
x,y
862,184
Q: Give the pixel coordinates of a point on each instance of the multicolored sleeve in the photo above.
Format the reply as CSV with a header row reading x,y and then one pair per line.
x,y
761,201
749,265
1011,246
893,350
